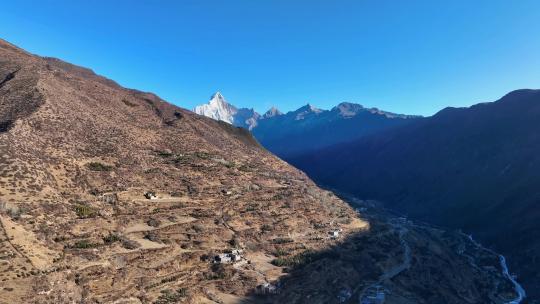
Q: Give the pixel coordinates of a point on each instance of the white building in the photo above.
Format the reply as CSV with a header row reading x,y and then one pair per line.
x,y
334,234
223,258
229,257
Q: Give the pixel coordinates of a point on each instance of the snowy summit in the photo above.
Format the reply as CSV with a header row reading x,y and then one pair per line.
x,y
219,109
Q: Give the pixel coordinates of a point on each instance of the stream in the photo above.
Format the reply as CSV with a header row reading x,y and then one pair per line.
x,y
521,294
517,287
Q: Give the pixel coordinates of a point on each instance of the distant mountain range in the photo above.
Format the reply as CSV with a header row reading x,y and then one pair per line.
x,y
474,168
307,128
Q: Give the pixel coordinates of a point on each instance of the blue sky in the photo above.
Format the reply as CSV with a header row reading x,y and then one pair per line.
x,y
412,57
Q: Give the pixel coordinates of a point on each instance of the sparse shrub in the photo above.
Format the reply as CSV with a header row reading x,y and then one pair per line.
x,y
278,197
168,296
111,238
297,260
170,279
84,211
280,262
198,228
234,243
180,159
176,193
266,227
84,244
151,171
218,272
280,252
153,222
97,166
244,168
164,154
129,244
152,237
59,239
202,155
183,292
251,207
205,257
319,225
282,240
128,103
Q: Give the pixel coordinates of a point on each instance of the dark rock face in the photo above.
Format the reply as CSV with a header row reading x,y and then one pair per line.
x,y
474,168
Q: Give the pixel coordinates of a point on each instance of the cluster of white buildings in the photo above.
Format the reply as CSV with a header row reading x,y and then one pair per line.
x,y
229,257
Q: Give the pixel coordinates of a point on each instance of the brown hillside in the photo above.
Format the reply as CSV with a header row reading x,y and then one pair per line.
x,y
78,153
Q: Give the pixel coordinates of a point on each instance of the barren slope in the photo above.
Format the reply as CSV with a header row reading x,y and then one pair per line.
x,y
78,152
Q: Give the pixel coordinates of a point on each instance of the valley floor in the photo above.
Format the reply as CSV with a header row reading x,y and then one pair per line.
x,y
422,243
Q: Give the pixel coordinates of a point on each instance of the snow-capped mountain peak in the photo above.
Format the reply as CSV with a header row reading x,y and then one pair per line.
x,y
217,108
217,98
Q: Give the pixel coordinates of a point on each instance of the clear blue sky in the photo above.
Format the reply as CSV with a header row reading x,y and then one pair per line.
x,y
405,56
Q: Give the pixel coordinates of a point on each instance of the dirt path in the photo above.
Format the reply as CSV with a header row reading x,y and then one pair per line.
x,y
391,273
25,243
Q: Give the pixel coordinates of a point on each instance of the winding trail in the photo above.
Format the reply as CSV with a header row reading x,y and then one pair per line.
x,y
406,264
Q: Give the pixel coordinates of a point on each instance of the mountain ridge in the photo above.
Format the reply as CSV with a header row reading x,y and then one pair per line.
x,y
309,128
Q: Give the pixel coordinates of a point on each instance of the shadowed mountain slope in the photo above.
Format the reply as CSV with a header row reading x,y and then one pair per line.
x,y
310,129
473,168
